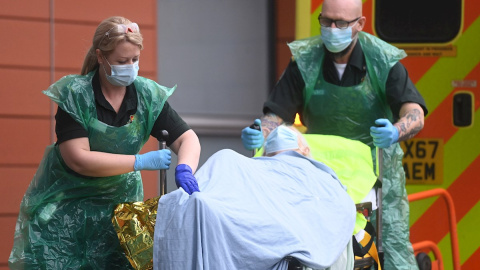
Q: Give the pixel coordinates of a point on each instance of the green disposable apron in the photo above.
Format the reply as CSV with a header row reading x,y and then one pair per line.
x,y
65,218
350,112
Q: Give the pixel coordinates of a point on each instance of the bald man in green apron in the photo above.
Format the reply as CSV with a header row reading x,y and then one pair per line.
x,y
348,83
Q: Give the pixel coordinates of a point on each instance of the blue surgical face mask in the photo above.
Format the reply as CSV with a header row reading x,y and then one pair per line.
x,y
336,39
281,138
122,75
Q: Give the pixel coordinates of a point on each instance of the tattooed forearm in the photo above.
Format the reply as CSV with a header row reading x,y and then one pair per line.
x,y
410,123
270,121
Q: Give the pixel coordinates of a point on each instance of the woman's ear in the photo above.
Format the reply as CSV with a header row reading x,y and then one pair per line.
x,y
99,56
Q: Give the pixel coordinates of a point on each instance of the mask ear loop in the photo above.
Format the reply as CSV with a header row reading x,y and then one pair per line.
x,y
103,65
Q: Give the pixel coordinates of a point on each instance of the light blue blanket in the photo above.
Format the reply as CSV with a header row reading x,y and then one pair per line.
x,y
253,212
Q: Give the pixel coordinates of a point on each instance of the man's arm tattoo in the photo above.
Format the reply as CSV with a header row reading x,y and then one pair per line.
x,y
270,122
409,125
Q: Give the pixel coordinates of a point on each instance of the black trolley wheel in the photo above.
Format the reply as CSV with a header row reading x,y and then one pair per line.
x,y
424,262
293,264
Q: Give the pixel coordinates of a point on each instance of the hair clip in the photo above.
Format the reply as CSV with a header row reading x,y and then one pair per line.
x,y
122,28
131,27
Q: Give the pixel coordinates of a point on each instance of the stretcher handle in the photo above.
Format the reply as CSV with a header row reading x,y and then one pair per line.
x,y
163,173
379,204
379,161
256,127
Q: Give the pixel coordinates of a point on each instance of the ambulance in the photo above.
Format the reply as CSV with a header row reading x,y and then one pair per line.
x,y
442,163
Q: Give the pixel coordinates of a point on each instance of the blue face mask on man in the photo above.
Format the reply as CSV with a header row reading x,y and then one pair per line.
x,y
122,75
336,39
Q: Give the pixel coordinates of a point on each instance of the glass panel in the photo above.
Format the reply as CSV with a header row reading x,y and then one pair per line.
x,y
418,21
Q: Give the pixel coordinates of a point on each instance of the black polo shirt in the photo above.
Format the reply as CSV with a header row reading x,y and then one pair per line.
x,y
287,99
67,128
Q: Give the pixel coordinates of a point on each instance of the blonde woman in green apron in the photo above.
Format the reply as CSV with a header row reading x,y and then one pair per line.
x,y
351,84
104,117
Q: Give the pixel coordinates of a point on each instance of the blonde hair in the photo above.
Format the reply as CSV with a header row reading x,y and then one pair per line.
x,y
106,39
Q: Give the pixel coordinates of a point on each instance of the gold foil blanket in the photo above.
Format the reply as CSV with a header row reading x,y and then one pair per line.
x,y
135,224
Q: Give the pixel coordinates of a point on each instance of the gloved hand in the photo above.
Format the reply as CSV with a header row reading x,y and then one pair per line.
x,y
252,138
154,160
185,179
384,134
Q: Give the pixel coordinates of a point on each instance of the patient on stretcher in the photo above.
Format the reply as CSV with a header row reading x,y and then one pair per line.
x,y
252,213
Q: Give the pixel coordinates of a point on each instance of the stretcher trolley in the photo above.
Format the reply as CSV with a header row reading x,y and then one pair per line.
x,y
135,222
369,252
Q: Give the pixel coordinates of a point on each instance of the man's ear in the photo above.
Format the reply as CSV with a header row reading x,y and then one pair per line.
x,y
307,151
304,150
361,23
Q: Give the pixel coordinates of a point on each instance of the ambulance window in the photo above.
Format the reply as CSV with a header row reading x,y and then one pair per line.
x,y
418,21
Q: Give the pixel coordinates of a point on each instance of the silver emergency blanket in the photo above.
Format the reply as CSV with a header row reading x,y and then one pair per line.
x,y
251,213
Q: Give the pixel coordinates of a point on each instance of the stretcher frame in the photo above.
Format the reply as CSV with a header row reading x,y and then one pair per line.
x,y
365,208
369,261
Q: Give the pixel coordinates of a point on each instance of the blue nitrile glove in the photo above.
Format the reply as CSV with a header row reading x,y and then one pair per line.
x,y
384,134
154,160
252,138
185,179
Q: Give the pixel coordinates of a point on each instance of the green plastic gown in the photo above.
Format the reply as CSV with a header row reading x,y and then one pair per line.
x,y
65,218
350,112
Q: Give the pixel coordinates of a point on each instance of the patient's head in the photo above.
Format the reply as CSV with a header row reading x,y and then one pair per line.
x,y
285,138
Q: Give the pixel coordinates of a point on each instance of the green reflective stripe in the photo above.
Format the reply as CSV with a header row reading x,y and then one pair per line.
x,y
314,24
468,242
435,87
455,162
418,208
436,83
